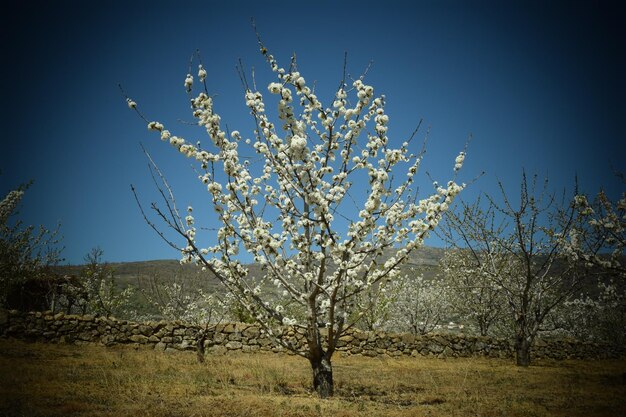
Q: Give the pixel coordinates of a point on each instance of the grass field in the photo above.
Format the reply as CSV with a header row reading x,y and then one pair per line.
x,y
65,380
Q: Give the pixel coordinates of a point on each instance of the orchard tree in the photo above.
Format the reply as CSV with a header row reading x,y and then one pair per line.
x,y
471,292
292,211
420,305
597,315
26,252
521,251
600,237
181,297
598,240
375,307
100,292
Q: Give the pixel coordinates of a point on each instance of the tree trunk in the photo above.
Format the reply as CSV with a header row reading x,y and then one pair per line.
x,y
522,351
322,376
200,338
53,303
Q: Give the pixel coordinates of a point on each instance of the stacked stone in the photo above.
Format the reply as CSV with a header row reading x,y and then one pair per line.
x,y
439,345
239,337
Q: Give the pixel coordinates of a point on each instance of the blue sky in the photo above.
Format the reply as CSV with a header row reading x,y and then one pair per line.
x,y
539,85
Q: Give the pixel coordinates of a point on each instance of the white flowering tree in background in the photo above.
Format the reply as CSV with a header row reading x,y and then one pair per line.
x,y
292,211
472,294
598,240
176,298
420,305
597,315
375,307
600,237
100,293
26,255
521,251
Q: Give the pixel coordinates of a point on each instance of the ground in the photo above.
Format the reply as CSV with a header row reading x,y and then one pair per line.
x,y
66,380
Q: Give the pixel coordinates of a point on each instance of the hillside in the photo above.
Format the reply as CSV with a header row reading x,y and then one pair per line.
x,y
425,260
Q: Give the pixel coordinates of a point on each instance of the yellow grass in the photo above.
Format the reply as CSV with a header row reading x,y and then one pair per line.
x,y
64,380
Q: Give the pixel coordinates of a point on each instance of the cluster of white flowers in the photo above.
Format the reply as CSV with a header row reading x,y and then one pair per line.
x,y
8,205
189,219
602,228
297,148
188,82
275,88
581,202
458,163
201,73
155,126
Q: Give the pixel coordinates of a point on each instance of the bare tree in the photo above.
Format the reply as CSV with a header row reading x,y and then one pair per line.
x,y
325,194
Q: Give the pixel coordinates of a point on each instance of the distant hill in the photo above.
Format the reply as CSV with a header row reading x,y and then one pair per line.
x,y
138,273
424,260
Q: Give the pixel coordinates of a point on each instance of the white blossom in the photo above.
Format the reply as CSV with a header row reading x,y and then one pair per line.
x,y
188,82
201,75
458,162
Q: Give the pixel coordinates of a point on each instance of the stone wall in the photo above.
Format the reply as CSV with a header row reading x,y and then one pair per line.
x,y
238,337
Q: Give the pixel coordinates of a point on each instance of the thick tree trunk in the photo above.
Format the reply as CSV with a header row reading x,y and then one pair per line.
x,y
522,351
322,376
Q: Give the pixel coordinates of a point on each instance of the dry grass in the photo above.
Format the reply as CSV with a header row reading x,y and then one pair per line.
x,y
64,380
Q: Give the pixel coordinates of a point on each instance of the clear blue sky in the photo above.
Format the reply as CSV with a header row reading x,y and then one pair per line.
x,y
539,86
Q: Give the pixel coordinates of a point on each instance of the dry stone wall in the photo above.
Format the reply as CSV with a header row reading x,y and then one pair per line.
x,y
239,337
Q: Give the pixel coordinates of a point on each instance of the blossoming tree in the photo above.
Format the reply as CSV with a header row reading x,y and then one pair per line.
x,y
596,315
99,293
598,240
421,305
522,252
26,254
471,293
180,296
317,164
600,237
